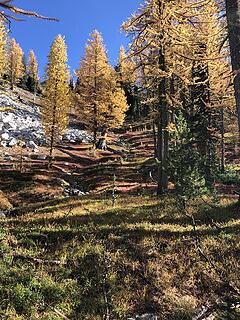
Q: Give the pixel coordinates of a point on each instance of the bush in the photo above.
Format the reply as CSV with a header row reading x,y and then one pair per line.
x,y
230,177
185,162
24,299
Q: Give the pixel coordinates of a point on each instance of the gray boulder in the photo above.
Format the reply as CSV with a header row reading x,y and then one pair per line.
x,y
31,145
13,142
42,157
146,316
2,214
4,144
5,136
72,192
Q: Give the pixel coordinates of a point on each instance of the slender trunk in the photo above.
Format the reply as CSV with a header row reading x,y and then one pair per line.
x,y
95,109
222,168
52,138
12,83
165,148
160,189
95,126
94,136
233,20
209,153
11,73
35,93
102,142
155,139
162,136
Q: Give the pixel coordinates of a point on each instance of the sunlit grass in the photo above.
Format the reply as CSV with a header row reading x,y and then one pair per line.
x,y
149,245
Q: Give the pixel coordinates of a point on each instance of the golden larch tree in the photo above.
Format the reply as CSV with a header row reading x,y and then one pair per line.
x,y
100,102
3,40
154,34
233,20
15,62
56,100
213,75
126,68
127,77
32,70
117,108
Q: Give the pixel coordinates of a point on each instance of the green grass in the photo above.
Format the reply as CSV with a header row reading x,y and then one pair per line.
x,y
230,177
142,253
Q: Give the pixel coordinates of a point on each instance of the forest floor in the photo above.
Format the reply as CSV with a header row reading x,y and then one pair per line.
x,y
83,258
25,178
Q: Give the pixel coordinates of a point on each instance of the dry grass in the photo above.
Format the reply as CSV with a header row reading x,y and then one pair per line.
x,y
4,202
142,253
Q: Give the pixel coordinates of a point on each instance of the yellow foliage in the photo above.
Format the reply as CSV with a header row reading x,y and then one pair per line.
x,y
3,34
126,68
56,101
118,108
5,109
15,62
100,102
32,67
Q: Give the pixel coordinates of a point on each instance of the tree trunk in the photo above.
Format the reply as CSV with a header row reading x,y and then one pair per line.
x,y
162,135
50,154
102,141
222,167
52,138
165,148
95,129
11,85
233,20
155,139
94,138
160,189
51,150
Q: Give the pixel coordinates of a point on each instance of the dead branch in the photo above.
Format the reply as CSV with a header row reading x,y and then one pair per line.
x,y
59,313
9,7
36,260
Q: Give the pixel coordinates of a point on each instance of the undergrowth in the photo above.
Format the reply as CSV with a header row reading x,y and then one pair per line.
x,y
140,256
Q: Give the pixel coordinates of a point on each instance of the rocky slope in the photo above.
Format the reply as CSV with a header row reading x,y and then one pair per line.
x,y
20,122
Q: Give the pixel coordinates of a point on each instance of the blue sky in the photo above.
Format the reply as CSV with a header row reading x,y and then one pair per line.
x,y
78,18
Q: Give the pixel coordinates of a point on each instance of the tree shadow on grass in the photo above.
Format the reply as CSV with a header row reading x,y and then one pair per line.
x,y
114,217
121,230
14,181
127,226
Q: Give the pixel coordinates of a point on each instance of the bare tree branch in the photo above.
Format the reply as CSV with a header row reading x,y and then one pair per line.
x,y
6,5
